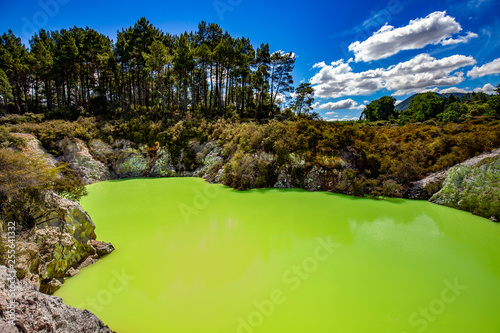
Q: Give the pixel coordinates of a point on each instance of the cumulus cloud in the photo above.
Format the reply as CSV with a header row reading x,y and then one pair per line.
x,y
462,39
435,28
340,105
424,71
338,79
488,88
420,73
486,69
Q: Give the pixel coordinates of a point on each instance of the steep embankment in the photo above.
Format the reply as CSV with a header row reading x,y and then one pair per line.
x,y
428,186
101,161
63,242
54,249
473,186
38,312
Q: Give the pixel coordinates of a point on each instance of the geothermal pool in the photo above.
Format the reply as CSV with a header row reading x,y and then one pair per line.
x,y
192,257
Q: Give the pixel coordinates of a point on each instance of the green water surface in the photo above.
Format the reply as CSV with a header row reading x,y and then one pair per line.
x,y
200,258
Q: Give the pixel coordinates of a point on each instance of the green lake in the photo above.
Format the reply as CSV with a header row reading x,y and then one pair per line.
x,y
201,258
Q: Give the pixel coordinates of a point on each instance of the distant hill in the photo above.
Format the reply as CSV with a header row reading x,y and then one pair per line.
x,y
406,103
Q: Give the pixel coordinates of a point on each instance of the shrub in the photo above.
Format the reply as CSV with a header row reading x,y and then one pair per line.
x,y
453,113
494,103
391,188
23,178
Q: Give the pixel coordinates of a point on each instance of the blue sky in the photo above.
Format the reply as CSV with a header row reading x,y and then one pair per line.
x,y
352,51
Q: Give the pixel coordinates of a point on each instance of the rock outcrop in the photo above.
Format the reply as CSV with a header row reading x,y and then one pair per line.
x,y
56,249
209,155
61,244
34,147
125,161
284,179
474,187
314,179
425,188
37,312
65,237
77,155
128,162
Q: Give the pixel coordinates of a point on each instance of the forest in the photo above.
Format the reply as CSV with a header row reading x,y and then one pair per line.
x,y
80,72
209,74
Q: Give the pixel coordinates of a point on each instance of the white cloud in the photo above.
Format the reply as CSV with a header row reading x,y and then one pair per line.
x,y
338,79
340,105
435,28
422,90
488,88
424,71
280,98
331,113
418,74
345,118
486,69
453,90
319,65
461,39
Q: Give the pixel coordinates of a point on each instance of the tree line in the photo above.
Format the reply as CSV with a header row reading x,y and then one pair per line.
x,y
429,106
78,71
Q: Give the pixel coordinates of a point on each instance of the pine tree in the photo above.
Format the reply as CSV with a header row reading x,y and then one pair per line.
x,y
282,65
304,98
183,65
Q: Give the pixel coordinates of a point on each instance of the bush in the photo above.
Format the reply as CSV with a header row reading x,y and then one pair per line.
x,y
246,171
23,178
65,113
453,113
494,103
9,140
423,107
391,188
380,109
19,119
